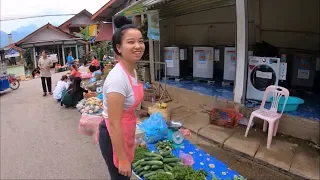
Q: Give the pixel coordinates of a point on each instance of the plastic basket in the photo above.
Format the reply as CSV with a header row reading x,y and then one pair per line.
x,y
292,103
89,95
225,117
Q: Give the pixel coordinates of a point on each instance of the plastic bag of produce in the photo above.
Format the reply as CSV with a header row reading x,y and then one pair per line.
x,y
186,158
155,128
89,124
85,75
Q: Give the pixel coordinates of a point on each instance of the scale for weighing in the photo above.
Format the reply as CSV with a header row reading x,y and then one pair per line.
x,y
174,135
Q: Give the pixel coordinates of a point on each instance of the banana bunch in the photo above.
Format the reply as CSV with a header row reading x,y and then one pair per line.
x,y
161,105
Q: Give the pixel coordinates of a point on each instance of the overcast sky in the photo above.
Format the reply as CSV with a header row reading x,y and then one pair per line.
x,y
22,8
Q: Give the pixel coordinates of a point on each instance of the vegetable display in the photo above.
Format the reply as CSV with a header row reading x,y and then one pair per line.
x,y
92,105
164,146
162,176
153,163
188,173
139,153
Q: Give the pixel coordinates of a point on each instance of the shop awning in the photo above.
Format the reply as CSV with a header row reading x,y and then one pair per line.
x,y
149,4
171,8
12,53
106,12
136,8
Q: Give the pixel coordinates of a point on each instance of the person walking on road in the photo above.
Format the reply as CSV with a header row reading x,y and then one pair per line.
x,y
45,74
121,96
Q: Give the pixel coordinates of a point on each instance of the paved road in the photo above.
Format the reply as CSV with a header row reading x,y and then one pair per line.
x,y
39,138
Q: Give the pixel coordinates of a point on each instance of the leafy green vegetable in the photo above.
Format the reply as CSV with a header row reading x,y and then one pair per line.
x,y
139,153
164,146
187,173
162,176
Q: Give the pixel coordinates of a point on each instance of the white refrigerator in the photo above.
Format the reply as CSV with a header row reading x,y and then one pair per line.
x,y
203,62
230,63
171,57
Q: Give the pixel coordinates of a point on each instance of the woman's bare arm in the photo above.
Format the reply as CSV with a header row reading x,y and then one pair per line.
x,y
115,103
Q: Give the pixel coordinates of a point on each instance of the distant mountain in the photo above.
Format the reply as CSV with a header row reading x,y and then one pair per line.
x,y
17,35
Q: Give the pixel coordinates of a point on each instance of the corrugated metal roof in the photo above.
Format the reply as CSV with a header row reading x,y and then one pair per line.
x,y
133,9
179,7
154,3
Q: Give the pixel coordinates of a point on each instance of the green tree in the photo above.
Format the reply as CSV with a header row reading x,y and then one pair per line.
x,y
84,33
101,49
27,55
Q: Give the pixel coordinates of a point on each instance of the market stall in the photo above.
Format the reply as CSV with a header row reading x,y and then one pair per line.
x,y
204,164
164,154
91,115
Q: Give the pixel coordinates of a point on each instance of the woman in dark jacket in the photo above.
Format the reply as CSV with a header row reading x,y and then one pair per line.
x,y
73,94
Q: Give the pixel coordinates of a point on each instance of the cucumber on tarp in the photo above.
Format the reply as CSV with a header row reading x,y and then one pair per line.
x,y
212,167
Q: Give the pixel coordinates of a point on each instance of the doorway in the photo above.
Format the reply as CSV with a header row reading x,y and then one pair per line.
x,y
67,49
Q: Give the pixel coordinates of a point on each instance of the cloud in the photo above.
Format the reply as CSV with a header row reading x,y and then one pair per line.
x,y
23,8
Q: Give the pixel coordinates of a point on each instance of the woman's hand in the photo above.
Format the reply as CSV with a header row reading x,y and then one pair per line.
x,y
125,168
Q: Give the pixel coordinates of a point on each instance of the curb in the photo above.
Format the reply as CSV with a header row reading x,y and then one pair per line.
x,y
263,163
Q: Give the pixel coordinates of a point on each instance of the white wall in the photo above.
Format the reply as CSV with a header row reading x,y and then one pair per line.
x,y
282,23
290,23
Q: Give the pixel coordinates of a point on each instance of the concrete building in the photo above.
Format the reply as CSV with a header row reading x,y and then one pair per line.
x,y
54,41
290,26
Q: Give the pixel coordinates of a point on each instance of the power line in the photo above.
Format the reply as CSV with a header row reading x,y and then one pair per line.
x,y
38,16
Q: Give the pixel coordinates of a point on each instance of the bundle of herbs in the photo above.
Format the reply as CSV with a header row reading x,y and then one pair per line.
x,y
188,173
139,153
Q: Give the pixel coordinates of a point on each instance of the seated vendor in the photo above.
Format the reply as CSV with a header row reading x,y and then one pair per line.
x,y
73,94
74,72
35,72
61,86
95,65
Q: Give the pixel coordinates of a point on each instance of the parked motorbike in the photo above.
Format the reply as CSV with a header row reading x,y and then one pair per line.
x,y
14,82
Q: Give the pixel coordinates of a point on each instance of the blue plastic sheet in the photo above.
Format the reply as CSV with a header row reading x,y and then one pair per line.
x,y
203,160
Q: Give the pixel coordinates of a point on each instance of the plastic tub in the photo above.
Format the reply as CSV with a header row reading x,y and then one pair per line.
x,y
292,103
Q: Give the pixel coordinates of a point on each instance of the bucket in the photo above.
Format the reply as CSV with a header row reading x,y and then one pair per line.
x,y
292,103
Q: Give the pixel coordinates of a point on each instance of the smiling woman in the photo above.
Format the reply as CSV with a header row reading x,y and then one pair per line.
x,y
122,94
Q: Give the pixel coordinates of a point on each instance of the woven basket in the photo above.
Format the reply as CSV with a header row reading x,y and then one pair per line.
x,y
149,94
164,112
89,95
225,117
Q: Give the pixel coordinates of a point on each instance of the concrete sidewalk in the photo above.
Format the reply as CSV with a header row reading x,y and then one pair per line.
x,y
292,156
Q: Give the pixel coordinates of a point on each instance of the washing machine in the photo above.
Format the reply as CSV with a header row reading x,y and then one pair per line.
x,y
262,72
177,61
230,63
203,58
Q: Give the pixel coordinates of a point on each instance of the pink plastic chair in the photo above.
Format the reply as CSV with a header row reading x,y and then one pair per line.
x,y
270,115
